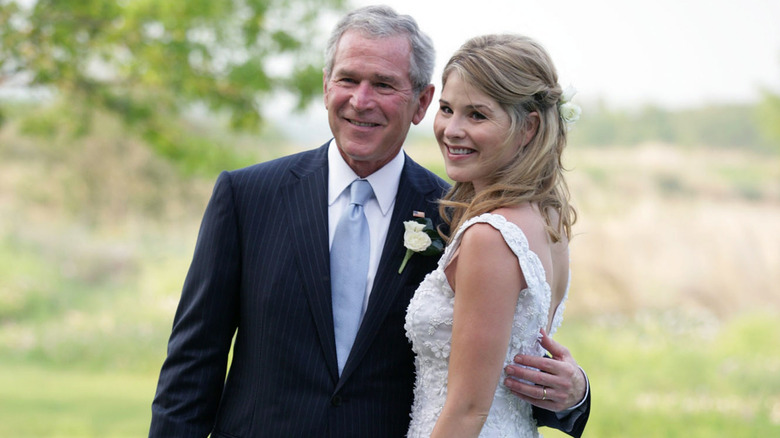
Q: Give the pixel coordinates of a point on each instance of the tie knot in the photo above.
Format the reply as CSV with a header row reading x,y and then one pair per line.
x,y
360,191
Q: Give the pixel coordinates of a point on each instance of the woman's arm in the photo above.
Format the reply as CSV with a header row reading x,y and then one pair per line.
x,y
487,281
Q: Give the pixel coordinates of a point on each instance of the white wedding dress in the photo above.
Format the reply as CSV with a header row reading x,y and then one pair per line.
x,y
429,328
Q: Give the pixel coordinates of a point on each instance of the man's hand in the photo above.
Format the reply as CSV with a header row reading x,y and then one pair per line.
x,y
559,384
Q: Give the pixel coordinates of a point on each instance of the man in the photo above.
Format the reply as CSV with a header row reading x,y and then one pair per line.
x,y
262,267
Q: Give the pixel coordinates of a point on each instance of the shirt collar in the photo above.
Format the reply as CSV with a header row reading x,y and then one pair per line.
x,y
384,181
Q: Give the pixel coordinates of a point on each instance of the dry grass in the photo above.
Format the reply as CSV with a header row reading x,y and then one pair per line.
x,y
662,227
668,228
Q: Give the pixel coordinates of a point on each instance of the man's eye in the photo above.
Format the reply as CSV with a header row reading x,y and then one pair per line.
x,y
384,87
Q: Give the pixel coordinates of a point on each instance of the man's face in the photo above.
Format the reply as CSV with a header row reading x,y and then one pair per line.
x,y
370,100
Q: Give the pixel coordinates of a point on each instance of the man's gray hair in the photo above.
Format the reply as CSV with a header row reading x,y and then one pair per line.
x,y
382,22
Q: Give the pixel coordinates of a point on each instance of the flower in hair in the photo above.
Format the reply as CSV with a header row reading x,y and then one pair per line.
x,y
570,112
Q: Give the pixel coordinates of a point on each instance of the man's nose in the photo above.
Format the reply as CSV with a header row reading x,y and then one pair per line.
x,y
363,96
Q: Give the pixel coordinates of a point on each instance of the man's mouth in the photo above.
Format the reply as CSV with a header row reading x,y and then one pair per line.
x,y
362,124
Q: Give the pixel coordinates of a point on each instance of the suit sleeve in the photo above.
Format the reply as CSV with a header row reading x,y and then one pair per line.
x,y
572,424
193,374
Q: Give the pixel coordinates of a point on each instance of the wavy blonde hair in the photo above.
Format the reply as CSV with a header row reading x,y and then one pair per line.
x,y
517,72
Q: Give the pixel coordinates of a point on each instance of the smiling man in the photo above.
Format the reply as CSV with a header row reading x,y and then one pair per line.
x,y
371,100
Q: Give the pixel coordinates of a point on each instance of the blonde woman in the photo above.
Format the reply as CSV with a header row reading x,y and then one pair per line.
x,y
504,276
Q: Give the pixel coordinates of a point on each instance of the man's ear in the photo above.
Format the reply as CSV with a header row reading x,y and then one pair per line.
x,y
423,101
325,87
530,128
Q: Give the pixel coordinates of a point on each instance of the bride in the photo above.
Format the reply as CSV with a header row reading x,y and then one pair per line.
x,y
501,127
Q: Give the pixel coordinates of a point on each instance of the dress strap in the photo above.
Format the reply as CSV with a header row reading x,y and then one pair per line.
x,y
529,262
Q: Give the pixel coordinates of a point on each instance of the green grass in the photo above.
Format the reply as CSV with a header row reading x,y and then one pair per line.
x,y
47,402
664,375
654,376
84,308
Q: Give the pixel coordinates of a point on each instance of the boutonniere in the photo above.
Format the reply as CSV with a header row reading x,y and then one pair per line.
x,y
420,237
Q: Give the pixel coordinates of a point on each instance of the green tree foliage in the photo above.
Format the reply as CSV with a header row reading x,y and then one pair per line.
x,y
721,126
768,115
148,60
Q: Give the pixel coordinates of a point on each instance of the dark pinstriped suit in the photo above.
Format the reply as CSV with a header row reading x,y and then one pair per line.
x,y
261,264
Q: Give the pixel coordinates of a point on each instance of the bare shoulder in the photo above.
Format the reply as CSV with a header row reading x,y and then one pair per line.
x,y
528,218
487,243
553,255
486,262
484,246
480,236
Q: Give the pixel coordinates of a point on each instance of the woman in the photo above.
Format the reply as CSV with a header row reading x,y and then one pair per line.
x,y
504,275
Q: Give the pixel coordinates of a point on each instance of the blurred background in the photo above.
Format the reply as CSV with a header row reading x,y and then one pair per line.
x,y
117,117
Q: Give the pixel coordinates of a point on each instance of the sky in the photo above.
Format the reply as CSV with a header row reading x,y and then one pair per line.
x,y
669,52
626,53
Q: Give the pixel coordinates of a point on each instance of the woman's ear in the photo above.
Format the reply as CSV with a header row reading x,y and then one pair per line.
x,y
531,126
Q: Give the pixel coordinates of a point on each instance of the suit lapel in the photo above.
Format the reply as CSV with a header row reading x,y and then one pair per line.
x,y
308,206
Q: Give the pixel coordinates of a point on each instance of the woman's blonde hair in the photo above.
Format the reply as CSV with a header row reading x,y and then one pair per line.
x,y
517,72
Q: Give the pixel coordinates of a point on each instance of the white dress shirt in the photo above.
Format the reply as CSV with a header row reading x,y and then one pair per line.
x,y
378,209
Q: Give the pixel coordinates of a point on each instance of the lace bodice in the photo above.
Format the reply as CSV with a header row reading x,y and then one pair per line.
x,y
429,328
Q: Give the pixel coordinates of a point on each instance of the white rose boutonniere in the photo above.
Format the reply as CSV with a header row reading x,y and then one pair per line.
x,y
414,238
420,237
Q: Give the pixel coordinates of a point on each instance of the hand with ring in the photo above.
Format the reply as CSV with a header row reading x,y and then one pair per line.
x,y
554,383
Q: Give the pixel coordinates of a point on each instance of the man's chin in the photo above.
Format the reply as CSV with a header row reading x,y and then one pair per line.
x,y
357,149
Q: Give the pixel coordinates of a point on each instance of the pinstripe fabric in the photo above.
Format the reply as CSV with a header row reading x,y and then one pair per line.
x,y
260,270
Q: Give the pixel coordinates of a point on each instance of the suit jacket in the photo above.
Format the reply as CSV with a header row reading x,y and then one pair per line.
x,y
260,271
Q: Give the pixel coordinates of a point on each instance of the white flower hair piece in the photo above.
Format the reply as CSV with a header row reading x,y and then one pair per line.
x,y
570,112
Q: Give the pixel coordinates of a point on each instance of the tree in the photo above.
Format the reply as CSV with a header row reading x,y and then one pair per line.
x,y
768,115
148,60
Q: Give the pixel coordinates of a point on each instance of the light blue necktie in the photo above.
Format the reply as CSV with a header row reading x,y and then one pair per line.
x,y
349,255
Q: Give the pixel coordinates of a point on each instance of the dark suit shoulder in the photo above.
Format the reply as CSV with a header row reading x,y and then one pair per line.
x,y
424,179
278,171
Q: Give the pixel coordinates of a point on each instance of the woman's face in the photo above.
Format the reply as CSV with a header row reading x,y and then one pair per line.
x,y
471,129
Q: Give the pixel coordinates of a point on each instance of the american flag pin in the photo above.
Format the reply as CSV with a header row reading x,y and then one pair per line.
x,y
416,213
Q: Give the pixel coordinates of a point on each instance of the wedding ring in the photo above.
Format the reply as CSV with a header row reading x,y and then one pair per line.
x,y
544,393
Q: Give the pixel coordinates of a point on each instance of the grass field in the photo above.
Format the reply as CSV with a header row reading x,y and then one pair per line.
x,y
38,401
650,379
674,308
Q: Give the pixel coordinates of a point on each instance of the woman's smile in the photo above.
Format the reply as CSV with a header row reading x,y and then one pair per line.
x,y
453,150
